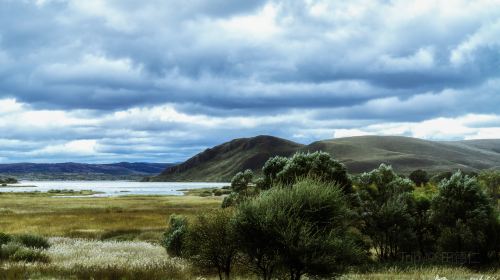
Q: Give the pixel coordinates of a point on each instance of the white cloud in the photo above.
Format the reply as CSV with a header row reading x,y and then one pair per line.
x,y
75,148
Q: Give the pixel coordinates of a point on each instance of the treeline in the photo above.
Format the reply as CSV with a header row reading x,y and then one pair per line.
x,y
7,180
308,216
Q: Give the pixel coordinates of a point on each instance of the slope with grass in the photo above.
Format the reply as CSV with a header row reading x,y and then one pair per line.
x,y
359,154
221,162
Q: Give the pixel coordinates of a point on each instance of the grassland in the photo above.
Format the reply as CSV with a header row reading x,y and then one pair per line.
x,y
118,238
126,217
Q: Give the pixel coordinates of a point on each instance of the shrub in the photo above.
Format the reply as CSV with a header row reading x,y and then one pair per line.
x,y
4,238
29,255
419,177
7,250
240,181
33,241
211,243
386,206
304,229
465,217
173,238
319,165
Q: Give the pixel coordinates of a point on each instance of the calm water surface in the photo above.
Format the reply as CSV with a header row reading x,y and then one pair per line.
x,y
111,188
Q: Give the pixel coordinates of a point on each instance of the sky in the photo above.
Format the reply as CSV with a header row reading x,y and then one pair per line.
x,y
161,80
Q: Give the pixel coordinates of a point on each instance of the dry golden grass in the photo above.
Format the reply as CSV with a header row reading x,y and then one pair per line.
x,y
425,273
94,216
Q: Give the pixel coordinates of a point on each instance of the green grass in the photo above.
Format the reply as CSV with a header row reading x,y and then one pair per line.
x,y
121,237
142,217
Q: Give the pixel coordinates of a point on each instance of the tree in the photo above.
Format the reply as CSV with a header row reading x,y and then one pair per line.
x,y
319,165
240,186
419,177
272,167
386,206
490,180
173,238
302,229
240,181
436,179
465,217
211,243
424,229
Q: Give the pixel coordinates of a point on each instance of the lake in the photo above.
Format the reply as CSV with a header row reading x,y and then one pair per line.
x,y
111,188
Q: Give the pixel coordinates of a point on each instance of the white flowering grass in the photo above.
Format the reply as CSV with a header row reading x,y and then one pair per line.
x,y
90,259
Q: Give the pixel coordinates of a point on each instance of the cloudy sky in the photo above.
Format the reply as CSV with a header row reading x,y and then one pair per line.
x,y
160,80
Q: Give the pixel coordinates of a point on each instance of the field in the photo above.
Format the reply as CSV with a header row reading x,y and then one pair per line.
x,y
118,238
129,217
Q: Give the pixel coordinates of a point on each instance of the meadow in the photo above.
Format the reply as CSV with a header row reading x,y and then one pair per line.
x,y
123,217
118,238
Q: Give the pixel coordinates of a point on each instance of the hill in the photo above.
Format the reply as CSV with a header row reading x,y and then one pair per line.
x,y
221,162
359,154
82,170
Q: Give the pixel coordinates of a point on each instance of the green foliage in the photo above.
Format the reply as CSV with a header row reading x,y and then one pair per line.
x,y
229,200
385,206
211,243
8,180
436,179
465,217
241,180
490,180
305,229
425,230
419,177
5,238
319,165
173,238
32,241
29,255
272,167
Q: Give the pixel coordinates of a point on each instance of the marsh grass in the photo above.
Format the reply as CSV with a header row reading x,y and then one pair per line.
x,y
425,273
90,259
125,217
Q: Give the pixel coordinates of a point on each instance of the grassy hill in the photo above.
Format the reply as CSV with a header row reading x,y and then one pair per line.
x,y
221,162
359,154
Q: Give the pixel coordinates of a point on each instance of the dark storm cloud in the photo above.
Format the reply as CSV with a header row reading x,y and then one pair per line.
x,y
156,73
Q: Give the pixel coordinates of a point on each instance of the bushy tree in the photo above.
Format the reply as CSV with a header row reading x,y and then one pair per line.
x,y
436,179
419,177
272,167
240,189
319,165
465,217
173,238
386,206
241,181
425,230
211,243
490,180
302,229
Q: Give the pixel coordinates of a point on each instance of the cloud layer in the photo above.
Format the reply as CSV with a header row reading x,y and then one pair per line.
x,y
102,81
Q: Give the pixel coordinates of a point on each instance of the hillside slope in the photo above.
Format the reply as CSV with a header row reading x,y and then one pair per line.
x,y
359,154
221,162
405,154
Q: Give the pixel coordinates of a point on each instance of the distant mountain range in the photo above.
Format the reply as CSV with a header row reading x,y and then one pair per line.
x,y
113,169
359,154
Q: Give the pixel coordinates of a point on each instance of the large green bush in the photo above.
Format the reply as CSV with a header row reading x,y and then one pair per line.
x,y
300,230
318,165
173,238
211,243
465,217
386,204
